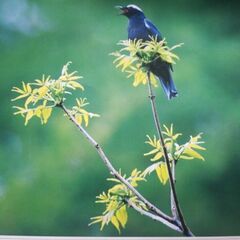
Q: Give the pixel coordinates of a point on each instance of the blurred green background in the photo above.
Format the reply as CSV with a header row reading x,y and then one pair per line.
x,y
49,175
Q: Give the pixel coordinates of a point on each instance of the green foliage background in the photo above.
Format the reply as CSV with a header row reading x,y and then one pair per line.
x,y
49,175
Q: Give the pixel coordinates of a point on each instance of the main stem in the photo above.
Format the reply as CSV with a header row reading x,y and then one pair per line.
x,y
154,212
179,215
173,206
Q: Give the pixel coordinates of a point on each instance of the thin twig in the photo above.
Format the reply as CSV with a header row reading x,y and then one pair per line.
x,y
154,211
186,230
154,217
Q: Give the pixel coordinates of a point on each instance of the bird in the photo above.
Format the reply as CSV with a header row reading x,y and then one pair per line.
x,y
141,28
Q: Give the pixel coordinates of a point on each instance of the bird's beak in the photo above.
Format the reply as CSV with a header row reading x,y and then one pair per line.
x,y
123,10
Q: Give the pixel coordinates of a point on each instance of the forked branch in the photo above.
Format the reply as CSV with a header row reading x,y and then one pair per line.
x,y
43,95
154,212
174,201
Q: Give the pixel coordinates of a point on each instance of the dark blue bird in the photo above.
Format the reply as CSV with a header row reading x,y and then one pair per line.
x,y
139,27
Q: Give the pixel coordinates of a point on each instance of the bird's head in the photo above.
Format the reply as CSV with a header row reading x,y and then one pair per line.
x,y
130,10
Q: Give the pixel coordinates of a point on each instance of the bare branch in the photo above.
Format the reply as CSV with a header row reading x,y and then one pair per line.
x,y
154,217
186,230
173,206
154,212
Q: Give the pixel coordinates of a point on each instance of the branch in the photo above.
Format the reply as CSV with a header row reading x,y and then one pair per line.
x,y
173,206
155,213
154,217
185,229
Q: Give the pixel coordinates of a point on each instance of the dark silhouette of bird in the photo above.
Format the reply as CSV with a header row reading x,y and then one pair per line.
x,y
139,27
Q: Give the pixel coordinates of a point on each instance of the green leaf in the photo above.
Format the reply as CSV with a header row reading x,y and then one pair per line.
x,y
115,223
197,147
157,156
95,220
162,173
118,189
20,97
150,169
42,91
151,152
29,100
46,113
186,157
76,85
134,172
86,118
20,111
29,115
78,118
193,153
122,215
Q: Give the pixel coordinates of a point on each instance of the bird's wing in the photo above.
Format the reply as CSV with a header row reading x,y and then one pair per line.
x,y
152,30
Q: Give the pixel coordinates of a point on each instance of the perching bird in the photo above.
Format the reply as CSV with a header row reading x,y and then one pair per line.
x,y
139,27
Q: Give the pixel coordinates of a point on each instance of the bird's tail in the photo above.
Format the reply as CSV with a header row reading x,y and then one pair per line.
x,y
162,71
168,86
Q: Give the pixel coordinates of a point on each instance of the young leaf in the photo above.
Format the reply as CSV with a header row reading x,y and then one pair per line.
x,y
42,91
115,223
76,85
86,118
150,169
122,215
151,152
46,113
162,173
158,156
79,118
29,115
191,153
